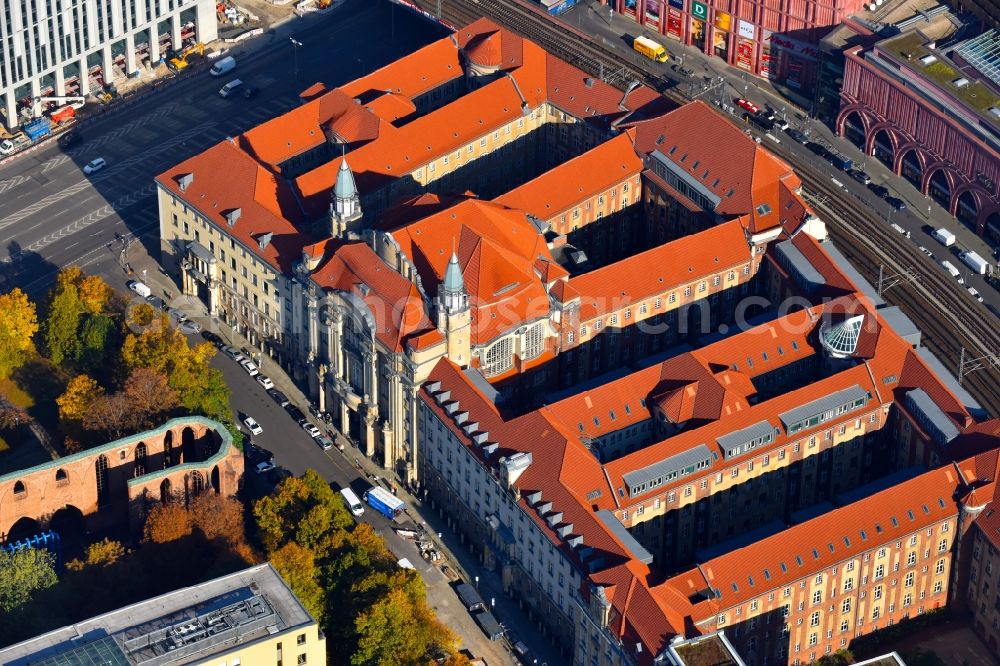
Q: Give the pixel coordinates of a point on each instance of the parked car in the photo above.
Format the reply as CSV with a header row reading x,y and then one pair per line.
x,y
295,413
311,429
140,288
278,397
252,425
879,190
208,336
177,315
797,136
747,105
94,165
256,454
896,203
265,466
975,294
926,251
233,353
157,302
860,176
6,147
188,327
324,442
70,139
250,367
819,150
264,381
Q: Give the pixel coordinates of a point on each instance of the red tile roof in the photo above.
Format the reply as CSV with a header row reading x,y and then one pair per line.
x,y
226,178
662,269
394,302
821,543
592,173
497,249
391,106
727,161
419,72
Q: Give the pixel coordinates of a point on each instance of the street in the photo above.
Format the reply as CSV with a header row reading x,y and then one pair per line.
x,y
920,210
52,215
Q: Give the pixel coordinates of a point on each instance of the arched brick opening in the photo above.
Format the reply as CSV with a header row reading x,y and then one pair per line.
x,y
169,454
188,445
23,528
101,476
991,226
62,476
216,486
910,165
967,208
166,491
882,145
141,460
939,184
853,128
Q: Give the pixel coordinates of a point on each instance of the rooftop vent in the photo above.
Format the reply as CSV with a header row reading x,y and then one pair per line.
x,y
994,111
589,82
185,180
928,59
960,82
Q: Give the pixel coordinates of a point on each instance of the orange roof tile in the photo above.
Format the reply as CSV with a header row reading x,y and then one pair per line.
x,y
744,174
823,542
661,269
488,45
225,179
582,177
418,142
391,106
395,304
485,49
419,72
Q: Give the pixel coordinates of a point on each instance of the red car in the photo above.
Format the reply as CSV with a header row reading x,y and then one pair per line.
x,y
747,105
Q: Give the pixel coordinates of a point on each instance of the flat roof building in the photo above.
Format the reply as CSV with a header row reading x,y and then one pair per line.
x,y
249,617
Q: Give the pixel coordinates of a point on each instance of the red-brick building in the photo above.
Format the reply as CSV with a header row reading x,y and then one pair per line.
x,y
115,483
774,39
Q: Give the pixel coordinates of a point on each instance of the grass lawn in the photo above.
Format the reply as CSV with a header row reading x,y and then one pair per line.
x,y
16,394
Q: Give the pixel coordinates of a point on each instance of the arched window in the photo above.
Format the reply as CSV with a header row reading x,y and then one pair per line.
x,y
140,459
197,484
19,488
165,491
168,449
61,475
534,342
499,357
101,469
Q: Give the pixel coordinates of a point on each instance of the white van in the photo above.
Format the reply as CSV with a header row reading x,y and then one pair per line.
x,y
352,501
228,89
225,65
140,288
954,272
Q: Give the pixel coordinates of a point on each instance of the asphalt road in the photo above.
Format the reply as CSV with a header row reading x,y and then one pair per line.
x,y
52,215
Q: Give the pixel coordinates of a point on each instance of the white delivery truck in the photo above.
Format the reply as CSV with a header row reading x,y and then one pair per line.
x,y
975,262
352,501
944,237
224,66
955,273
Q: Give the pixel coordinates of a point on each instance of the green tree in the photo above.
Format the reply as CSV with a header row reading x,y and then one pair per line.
x,y
297,566
98,335
62,322
18,325
23,574
304,510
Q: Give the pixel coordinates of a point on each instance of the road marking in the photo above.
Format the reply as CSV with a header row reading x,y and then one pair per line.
x,y
82,223
144,157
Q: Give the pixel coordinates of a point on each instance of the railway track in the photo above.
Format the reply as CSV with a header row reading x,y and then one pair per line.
x,y
949,319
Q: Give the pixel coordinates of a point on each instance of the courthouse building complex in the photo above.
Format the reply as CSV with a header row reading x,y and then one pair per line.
x,y
609,339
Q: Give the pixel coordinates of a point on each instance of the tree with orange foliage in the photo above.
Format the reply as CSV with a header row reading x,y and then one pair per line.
x,y
168,522
219,517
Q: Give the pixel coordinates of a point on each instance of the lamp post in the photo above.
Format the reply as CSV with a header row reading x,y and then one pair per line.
x,y
295,48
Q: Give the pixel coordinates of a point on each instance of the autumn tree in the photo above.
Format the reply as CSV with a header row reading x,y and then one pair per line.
x,y
167,522
12,416
94,293
297,566
304,510
80,394
18,325
23,574
149,396
112,415
62,321
141,315
71,275
200,388
219,517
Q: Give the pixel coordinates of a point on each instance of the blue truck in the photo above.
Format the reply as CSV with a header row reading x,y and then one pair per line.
x,y
37,128
384,502
841,162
